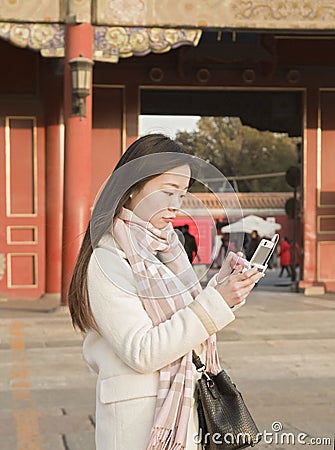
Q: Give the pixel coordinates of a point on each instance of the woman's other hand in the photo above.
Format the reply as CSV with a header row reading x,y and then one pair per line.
x,y
233,261
237,286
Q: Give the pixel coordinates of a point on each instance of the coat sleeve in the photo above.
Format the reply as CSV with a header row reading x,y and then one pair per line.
x,y
126,326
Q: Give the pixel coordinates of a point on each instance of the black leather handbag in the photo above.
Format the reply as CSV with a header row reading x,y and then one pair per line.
x,y
225,422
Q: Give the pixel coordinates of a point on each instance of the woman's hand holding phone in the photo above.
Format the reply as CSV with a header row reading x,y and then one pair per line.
x,y
236,279
237,286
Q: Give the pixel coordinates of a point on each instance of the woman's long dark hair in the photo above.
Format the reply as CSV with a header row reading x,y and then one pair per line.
x,y
81,313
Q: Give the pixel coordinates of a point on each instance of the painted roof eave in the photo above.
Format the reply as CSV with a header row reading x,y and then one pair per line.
x,y
110,43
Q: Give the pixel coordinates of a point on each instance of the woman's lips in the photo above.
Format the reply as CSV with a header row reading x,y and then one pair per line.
x,y
168,219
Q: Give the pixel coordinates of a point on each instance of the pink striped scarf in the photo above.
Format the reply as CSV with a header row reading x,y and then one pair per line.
x,y
162,273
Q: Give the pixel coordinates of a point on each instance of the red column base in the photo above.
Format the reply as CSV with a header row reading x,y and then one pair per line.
x,y
312,287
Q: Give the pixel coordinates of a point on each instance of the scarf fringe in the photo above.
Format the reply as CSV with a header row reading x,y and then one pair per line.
x,y
161,439
178,446
212,356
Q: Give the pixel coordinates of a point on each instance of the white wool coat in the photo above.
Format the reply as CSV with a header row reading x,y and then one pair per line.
x,y
129,352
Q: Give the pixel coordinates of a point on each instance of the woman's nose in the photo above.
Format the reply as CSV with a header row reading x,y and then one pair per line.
x,y
175,202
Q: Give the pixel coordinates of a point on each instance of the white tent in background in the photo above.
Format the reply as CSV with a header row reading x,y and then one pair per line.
x,y
249,223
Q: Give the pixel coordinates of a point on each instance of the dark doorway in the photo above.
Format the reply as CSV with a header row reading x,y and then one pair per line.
x,y
278,111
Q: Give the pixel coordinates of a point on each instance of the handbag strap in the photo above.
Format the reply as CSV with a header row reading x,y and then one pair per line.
x,y
200,366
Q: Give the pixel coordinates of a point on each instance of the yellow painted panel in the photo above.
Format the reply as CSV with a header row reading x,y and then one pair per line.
x,y
274,14
30,10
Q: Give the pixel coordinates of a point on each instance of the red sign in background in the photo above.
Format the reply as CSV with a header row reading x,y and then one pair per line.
x,y
202,230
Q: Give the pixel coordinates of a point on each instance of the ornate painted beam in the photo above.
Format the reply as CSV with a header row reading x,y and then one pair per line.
x,y
298,15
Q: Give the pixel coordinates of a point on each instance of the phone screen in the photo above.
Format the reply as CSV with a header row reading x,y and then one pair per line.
x,y
261,255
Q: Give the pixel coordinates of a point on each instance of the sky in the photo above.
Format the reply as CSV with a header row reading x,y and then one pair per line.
x,y
167,125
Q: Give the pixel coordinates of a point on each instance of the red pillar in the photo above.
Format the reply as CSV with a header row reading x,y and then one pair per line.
x,y
132,111
77,175
310,189
54,183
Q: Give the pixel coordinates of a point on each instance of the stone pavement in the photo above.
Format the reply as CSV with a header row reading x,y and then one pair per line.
x,y
279,351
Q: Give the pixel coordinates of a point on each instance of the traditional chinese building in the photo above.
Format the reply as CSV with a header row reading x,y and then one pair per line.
x,y
268,62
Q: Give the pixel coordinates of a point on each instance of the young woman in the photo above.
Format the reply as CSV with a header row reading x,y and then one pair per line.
x,y
135,295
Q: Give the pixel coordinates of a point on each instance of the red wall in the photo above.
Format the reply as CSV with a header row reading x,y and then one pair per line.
x,y
202,230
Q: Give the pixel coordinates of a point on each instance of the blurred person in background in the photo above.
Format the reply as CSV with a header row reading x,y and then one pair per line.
x,y
285,257
190,244
252,244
